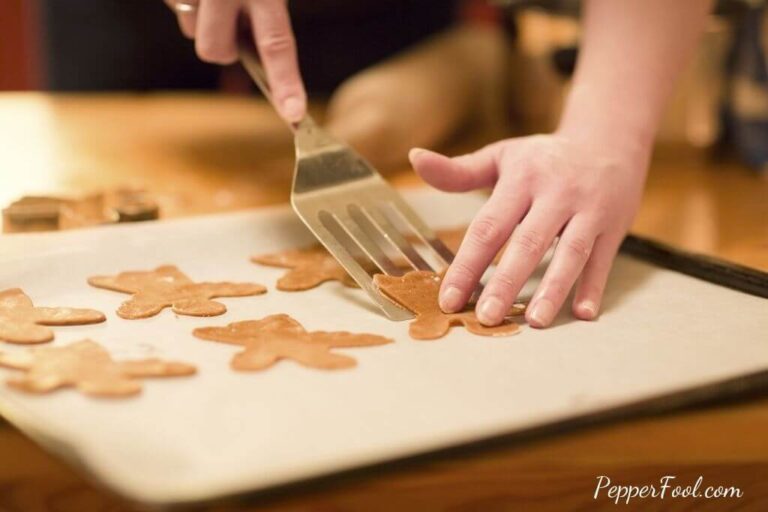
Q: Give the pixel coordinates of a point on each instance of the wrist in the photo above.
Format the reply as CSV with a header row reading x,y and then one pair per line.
x,y
593,118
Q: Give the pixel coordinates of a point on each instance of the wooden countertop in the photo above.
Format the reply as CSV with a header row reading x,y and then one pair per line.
x,y
205,153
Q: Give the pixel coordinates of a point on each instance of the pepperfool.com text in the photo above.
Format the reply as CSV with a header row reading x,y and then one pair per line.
x,y
668,487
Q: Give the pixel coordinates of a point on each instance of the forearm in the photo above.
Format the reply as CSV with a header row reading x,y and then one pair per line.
x,y
632,51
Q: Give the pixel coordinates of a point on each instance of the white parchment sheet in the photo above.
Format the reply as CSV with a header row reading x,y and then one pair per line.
x,y
222,432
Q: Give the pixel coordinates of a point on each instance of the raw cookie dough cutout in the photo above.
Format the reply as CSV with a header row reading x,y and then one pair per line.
x,y
167,286
417,292
21,322
277,337
86,366
311,266
307,268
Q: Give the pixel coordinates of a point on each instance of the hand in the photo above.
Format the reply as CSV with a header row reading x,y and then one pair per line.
x,y
214,27
544,186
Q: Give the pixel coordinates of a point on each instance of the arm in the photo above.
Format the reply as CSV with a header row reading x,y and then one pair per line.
x,y
631,53
582,183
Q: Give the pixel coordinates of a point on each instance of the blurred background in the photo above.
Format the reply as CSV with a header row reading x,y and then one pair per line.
x,y
105,45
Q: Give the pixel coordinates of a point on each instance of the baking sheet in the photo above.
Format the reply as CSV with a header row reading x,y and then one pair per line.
x,y
222,432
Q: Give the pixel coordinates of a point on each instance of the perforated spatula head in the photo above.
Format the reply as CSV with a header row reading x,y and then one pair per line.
x,y
354,213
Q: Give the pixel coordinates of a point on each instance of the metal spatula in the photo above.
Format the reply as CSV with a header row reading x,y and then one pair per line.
x,y
359,218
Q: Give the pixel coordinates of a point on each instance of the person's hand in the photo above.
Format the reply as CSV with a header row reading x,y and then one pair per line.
x,y
544,186
213,24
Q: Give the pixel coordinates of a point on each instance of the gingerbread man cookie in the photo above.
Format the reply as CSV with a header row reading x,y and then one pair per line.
x,y
307,268
277,337
22,322
417,292
167,286
86,366
311,266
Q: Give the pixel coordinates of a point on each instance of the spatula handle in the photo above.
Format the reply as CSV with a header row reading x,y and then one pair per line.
x,y
252,64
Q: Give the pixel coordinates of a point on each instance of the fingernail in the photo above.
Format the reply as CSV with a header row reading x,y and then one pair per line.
x,y
293,109
542,313
589,309
450,300
415,152
490,311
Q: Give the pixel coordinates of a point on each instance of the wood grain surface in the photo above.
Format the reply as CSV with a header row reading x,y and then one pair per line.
x,y
201,154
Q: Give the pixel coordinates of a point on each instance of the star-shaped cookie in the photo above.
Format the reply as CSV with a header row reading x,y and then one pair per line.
x,y
277,337
22,322
417,292
167,286
86,366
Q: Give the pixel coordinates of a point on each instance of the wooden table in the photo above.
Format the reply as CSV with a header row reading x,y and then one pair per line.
x,y
203,154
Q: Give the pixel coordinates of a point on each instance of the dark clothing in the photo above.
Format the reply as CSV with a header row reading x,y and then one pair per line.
x,y
337,38
136,44
118,44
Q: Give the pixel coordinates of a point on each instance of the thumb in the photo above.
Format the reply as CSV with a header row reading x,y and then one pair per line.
x,y
457,174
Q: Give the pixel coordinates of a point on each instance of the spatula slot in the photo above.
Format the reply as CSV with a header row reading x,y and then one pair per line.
x,y
361,217
396,239
433,253
362,264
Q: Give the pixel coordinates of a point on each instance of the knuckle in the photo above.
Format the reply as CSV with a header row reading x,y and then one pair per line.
x,y
506,157
487,231
529,242
461,273
569,191
525,177
272,45
578,247
504,283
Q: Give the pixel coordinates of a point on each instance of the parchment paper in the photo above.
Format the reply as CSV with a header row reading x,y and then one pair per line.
x,y
223,432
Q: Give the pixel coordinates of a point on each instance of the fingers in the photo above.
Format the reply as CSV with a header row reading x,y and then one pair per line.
x,y
187,20
589,292
274,39
526,248
459,174
489,230
571,254
215,34
214,27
